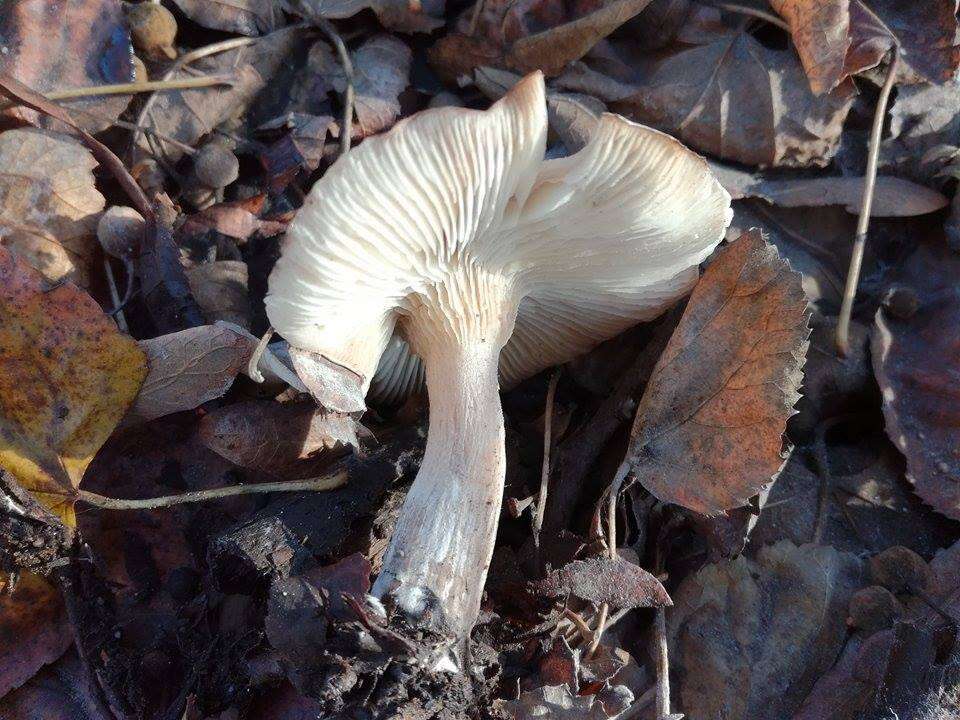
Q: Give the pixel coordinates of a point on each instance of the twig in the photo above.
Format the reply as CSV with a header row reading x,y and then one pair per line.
x,y
475,17
598,633
331,32
752,12
140,87
117,311
863,222
585,632
253,364
615,487
327,482
663,665
545,467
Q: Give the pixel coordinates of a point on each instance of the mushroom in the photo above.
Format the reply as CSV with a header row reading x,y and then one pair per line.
x,y
452,231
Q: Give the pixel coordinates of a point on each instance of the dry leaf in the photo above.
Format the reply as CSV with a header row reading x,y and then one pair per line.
x,y
381,71
916,359
189,368
821,33
188,115
748,638
220,289
892,196
401,15
51,45
275,437
33,629
246,17
67,376
558,702
62,691
726,94
707,434
618,583
49,205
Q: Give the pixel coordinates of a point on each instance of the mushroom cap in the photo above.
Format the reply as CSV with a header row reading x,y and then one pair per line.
x,y
590,244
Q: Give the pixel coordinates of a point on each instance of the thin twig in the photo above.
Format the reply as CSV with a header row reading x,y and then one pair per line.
x,y
752,12
615,487
863,222
139,87
581,625
663,664
545,467
598,633
115,297
328,482
331,32
253,364
475,17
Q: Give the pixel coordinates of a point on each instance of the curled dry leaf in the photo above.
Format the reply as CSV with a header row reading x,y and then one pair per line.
x,y
725,93
189,368
33,629
916,359
707,434
618,583
49,205
275,437
67,376
381,71
732,622
51,45
821,33
892,196
220,289
246,17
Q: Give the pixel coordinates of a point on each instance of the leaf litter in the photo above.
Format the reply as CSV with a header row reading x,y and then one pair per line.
x,y
787,513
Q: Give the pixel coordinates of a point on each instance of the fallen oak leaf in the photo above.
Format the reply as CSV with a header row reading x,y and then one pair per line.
x,y
616,582
707,434
67,376
49,203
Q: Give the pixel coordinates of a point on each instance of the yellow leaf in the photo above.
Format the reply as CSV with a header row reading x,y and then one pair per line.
x,y
67,376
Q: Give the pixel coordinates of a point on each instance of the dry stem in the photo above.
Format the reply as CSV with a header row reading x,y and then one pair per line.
x,y
327,482
347,124
545,467
863,222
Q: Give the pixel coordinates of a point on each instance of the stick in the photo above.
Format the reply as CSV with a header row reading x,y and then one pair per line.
x,y
331,32
253,369
545,467
581,625
117,311
663,665
139,87
598,633
327,482
863,222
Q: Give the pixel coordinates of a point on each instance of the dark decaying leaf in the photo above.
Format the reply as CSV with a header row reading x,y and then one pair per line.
x,y
401,15
618,583
220,289
707,434
916,359
55,45
62,691
558,702
163,282
722,91
274,437
246,17
748,638
33,629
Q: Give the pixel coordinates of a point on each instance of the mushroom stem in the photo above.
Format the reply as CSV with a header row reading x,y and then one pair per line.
x,y
438,557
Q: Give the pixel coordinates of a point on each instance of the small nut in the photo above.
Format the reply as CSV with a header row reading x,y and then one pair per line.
x,y
119,232
901,301
153,29
215,166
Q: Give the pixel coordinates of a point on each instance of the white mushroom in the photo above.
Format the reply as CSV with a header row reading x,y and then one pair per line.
x,y
453,231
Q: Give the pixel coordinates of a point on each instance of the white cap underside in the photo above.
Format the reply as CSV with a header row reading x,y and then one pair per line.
x,y
595,242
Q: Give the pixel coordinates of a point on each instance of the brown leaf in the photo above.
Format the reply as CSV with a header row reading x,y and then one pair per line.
x,y
732,622
916,359
381,71
220,289
33,629
707,434
51,45
892,196
49,205
618,583
188,115
726,94
820,32
62,691
189,368
67,376
401,15
246,17
275,437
